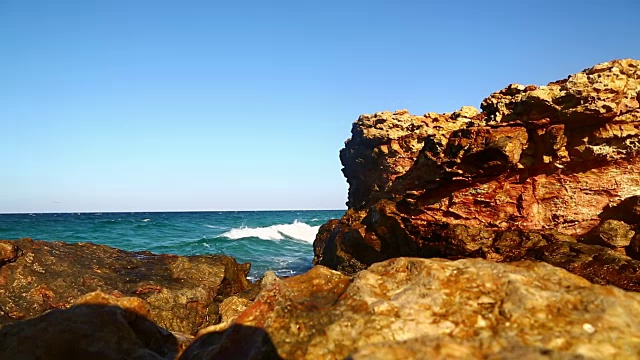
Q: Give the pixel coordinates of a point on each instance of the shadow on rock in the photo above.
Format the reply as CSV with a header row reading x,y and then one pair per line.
x,y
94,332
237,342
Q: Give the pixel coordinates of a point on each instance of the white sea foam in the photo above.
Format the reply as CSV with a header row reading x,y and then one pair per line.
x,y
297,231
216,227
145,220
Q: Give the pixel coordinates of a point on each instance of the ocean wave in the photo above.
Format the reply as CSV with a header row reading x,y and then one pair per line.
x,y
296,231
216,227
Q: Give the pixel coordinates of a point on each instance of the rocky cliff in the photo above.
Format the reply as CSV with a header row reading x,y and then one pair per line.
x,y
542,172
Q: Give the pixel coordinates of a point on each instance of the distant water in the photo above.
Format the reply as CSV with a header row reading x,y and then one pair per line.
x,y
270,240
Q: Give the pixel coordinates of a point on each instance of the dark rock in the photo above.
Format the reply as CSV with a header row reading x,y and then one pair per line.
x,y
182,292
627,210
238,342
94,332
597,264
633,250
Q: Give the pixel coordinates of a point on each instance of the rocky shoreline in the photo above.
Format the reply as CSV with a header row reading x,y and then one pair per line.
x,y
507,233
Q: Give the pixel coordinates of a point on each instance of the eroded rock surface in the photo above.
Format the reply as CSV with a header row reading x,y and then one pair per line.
x,y
437,309
538,165
181,293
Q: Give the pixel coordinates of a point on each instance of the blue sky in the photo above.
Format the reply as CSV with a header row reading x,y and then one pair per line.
x,y
230,105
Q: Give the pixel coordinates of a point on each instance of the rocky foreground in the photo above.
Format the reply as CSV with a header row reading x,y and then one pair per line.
x,y
409,308
179,293
507,233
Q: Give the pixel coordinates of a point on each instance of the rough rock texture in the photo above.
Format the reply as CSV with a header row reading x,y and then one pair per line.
x,y
408,308
139,307
87,332
230,308
132,304
182,293
538,165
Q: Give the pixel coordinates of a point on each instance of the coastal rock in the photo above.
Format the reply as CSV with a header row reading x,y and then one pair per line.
x,y
140,307
611,233
8,253
182,293
433,308
87,332
628,211
133,304
230,308
597,264
539,164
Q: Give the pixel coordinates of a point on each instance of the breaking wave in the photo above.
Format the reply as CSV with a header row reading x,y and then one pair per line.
x,y
296,231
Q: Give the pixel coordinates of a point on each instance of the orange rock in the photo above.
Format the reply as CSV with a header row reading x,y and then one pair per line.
x,y
132,304
543,161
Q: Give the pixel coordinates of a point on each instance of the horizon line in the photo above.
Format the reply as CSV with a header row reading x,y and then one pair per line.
x,y
157,211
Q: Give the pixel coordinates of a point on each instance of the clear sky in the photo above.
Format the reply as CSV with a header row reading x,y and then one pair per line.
x,y
125,105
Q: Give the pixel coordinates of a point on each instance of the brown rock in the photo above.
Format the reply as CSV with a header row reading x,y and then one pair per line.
x,y
607,91
628,210
87,332
611,233
597,264
230,308
539,164
8,252
633,250
432,308
183,340
182,293
132,304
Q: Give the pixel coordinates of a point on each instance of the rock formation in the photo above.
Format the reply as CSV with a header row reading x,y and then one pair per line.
x,y
408,308
179,293
87,332
540,173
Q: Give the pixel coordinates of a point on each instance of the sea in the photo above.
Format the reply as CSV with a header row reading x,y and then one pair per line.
x,y
280,241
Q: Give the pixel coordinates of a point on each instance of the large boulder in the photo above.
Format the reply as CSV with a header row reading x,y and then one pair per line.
x,y
181,293
408,308
536,166
85,331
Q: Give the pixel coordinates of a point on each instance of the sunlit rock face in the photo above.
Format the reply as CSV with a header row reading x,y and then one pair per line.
x,y
409,308
179,293
537,166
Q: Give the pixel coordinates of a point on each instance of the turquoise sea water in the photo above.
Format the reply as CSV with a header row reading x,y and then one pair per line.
x,y
270,240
